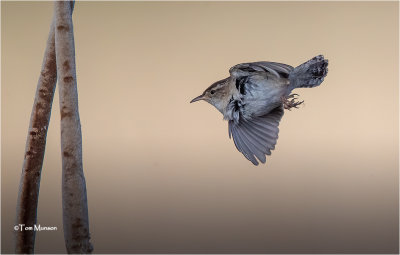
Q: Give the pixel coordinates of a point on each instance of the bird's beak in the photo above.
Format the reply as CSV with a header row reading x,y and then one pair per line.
x,y
201,97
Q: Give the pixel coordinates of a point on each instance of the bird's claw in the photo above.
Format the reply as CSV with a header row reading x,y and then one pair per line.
x,y
292,96
289,102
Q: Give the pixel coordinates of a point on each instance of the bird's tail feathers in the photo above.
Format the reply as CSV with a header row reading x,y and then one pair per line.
x,y
309,74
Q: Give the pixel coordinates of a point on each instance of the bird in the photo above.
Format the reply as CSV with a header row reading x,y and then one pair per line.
x,y
253,98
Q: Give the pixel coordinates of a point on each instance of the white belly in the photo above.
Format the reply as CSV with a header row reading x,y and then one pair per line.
x,y
264,97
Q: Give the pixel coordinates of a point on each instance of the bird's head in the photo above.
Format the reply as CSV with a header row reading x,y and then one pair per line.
x,y
217,94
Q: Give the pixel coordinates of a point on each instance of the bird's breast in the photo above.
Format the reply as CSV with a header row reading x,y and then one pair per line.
x,y
264,96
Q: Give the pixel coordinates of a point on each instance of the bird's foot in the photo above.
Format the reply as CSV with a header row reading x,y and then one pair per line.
x,y
290,101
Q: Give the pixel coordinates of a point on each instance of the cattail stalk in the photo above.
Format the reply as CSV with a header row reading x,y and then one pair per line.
x,y
75,209
28,194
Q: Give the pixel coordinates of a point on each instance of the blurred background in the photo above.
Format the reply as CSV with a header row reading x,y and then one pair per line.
x,y
162,175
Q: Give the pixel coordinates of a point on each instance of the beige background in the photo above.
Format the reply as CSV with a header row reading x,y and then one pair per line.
x,y
162,175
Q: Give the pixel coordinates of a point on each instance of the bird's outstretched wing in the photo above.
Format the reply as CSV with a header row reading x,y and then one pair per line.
x,y
256,137
277,69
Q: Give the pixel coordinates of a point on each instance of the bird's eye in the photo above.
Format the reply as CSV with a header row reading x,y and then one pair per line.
x,y
212,92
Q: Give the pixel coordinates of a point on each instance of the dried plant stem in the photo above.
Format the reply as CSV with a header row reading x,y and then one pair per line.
x,y
75,210
28,193
35,147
